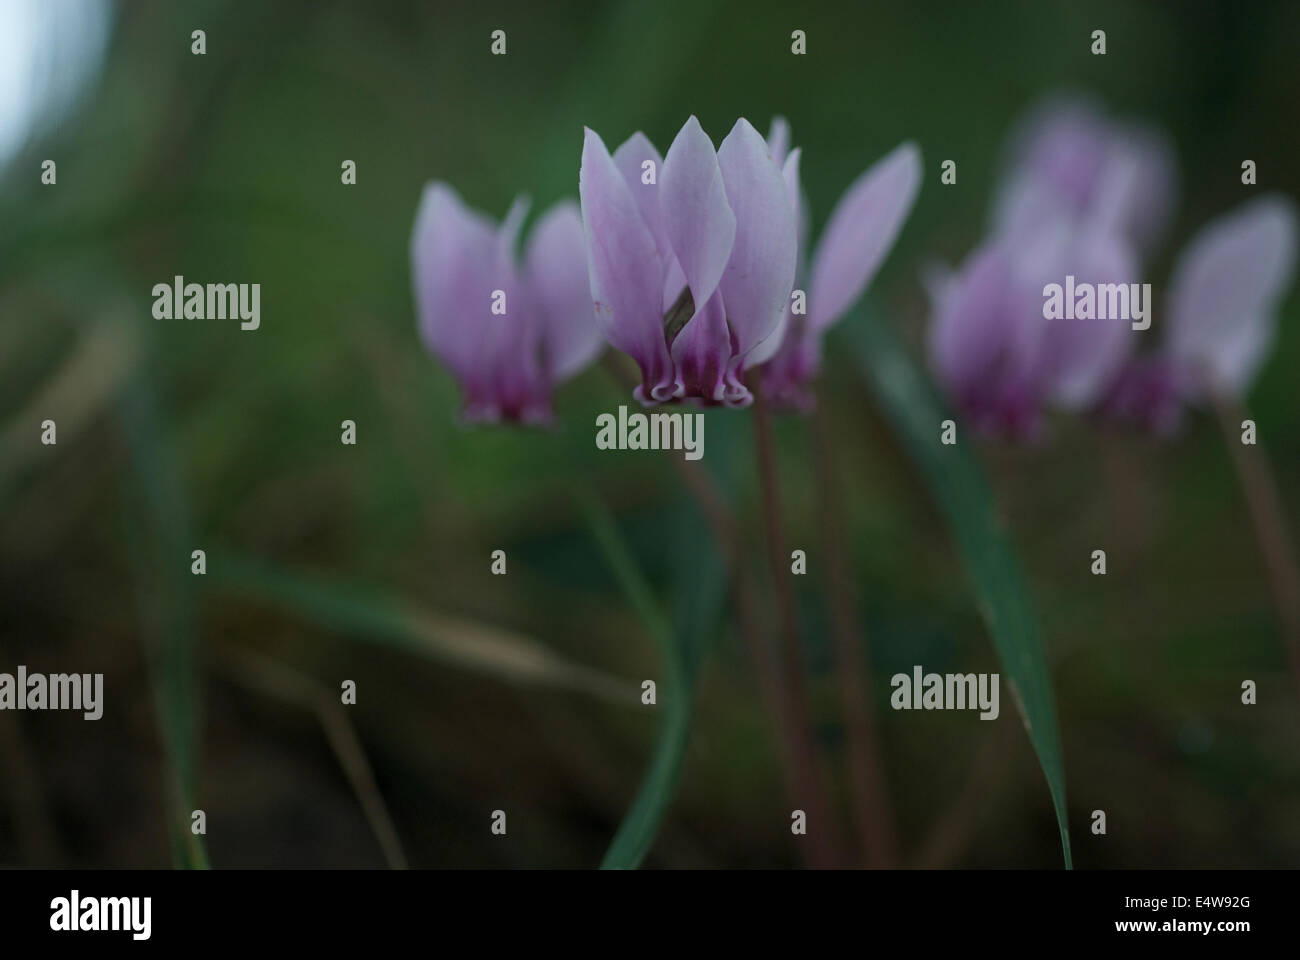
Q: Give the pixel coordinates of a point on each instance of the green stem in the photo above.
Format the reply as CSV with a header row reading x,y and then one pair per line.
x,y
636,833
159,544
641,822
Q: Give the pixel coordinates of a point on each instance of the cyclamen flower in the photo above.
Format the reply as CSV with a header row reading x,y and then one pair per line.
x,y
509,336
691,258
1081,197
1148,392
1224,293
860,233
1069,157
1222,302
992,349
979,314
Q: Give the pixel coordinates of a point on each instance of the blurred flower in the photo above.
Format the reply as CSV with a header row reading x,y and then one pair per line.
x,y
1224,292
1222,301
1082,196
1068,157
691,258
1075,359
997,356
979,315
1147,393
860,233
508,336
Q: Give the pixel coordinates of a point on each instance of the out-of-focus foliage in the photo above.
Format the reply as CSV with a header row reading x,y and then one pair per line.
x,y
226,168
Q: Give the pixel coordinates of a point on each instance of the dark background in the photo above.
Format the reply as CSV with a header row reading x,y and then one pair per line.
x,y
182,434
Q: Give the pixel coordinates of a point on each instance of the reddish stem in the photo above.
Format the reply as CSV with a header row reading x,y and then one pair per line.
x,y
1270,521
823,831
778,704
871,812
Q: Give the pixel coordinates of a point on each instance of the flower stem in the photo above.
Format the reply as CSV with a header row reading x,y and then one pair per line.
x,y
871,813
771,688
823,831
792,749
1270,521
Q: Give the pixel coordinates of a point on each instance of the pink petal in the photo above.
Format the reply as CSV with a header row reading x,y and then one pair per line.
x,y
861,232
1077,359
1061,144
625,270
1146,393
788,376
778,140
767,348
452,260
630,158
757,281
1224,291
701,351
514,336
697,219
1137,188
790,174
979,323
1069,155
557,279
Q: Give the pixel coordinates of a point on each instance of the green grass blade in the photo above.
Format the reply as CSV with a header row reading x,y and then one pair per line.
x,y
636,833
698,587
160,543
957,483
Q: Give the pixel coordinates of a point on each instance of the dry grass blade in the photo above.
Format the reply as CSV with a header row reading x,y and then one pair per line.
x,y
281,683
458,641
74,393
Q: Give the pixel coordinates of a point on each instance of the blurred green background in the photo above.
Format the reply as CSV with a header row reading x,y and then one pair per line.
x,y
371,563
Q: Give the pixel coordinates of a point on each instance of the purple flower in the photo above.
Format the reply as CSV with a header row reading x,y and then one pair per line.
x,y
1068,157
1076,359
508,335
982,318
1222,301
1149,393
1223,295
1081,197
993,347
860,233
691,258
